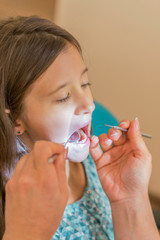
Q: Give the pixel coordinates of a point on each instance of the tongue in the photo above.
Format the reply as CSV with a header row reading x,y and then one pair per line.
x,y
75,136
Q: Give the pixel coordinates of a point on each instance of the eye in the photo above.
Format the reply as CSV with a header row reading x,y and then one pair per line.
x,y
86,85
64,99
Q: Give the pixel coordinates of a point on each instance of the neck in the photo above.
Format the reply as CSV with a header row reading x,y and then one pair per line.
x,y
76,180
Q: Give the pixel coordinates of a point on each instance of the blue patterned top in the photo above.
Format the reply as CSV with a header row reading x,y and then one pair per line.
x,y
90,217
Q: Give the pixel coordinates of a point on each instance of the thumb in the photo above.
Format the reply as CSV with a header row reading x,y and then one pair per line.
x,y
134,135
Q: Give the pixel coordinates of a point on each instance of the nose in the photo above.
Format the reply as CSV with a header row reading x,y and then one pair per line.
x,y
85,105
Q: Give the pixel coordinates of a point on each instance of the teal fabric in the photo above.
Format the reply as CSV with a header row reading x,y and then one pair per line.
x,y
101,116
90,217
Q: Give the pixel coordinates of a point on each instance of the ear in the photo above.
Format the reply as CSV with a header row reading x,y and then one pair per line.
x,y
19,127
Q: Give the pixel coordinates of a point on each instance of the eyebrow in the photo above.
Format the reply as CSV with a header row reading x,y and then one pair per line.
x,y
65,84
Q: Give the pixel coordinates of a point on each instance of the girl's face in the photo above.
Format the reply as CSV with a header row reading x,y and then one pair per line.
x,y
59,103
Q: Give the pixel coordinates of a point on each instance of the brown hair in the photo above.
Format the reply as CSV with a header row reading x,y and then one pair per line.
x,y
28,45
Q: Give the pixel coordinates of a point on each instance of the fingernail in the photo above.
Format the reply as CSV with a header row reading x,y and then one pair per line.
x,y
107,141
94,141
115,135
66,153
122,123
52,159
137,123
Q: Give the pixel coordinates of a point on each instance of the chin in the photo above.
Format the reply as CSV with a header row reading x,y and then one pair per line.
x,y
77,154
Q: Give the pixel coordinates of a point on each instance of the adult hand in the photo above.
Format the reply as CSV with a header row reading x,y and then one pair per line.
x,y
124,164
36,194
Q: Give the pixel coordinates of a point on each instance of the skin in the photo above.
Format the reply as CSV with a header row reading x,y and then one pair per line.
x,y
53,114
46,119
123,168
35,181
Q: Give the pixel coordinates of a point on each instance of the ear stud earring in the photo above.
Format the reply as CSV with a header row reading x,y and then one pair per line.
x,y
18,132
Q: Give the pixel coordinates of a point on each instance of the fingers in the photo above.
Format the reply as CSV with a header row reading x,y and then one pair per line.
x,y
124,124
100,156
134,135
117,143
38,162
19,166
107,141
116,136
60,165
44,150
134,130
37,169
37,159
95,151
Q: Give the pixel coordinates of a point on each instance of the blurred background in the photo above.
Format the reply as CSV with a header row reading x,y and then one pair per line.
x,y
121,47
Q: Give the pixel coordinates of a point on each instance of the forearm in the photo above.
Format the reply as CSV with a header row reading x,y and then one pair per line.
x,y
15,238
18,236
133,219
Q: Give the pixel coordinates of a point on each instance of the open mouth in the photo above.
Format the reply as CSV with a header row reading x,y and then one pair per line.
x,y
81,135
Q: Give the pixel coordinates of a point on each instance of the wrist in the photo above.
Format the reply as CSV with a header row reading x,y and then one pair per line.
x,y
135,202
133,219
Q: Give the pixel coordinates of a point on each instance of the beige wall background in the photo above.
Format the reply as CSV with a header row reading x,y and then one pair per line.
x,y
121,46
121,43
27,7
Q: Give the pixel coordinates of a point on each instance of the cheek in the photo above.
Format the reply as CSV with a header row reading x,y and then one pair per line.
x,y
89,93
50,124
57,129
60,124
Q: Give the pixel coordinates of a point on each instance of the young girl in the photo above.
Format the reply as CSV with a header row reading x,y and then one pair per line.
x,y
45,102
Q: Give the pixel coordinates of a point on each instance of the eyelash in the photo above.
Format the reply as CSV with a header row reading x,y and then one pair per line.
x,y
68,96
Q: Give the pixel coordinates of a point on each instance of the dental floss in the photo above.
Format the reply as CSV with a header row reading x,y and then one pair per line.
x,y
125,130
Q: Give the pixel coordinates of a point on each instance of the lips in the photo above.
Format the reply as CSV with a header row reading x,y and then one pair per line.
x,y
86,130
